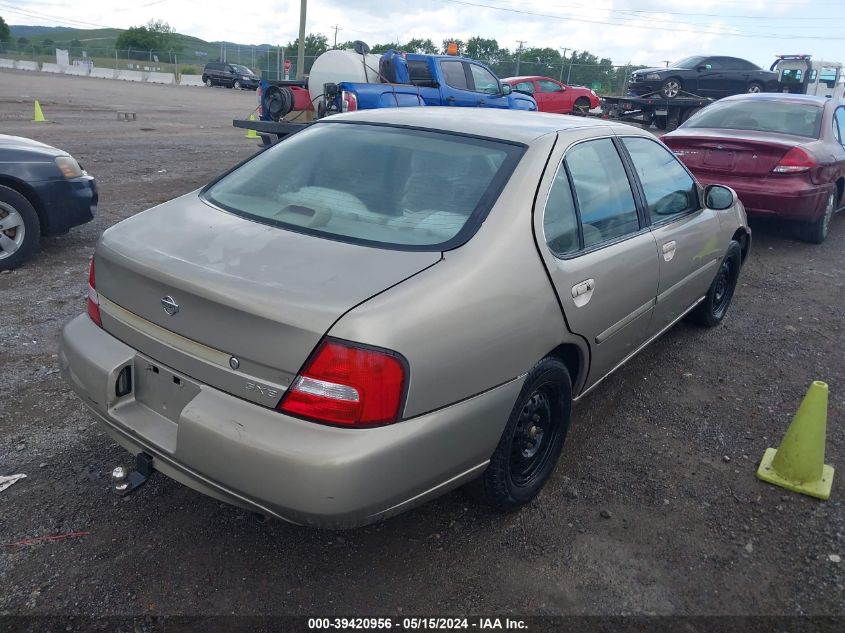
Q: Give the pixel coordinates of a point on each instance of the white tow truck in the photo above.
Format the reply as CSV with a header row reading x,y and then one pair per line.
x,y
801,74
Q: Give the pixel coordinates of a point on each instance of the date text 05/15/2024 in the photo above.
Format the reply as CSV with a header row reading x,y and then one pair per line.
x,y
416,624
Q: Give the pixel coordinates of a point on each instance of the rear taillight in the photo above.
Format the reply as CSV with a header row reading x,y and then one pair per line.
x,y
795,161
93,297
348,101
348,385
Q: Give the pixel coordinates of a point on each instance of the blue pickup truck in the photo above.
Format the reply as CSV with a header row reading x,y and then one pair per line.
x,y
409,79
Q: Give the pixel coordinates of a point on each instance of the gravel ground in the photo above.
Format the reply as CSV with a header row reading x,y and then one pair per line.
x,y
653,509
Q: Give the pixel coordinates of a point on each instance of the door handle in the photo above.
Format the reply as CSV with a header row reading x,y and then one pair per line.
x,y
450,99
669,250
582,292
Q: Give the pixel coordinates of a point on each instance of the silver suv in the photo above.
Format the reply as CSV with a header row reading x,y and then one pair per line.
x,y
393,303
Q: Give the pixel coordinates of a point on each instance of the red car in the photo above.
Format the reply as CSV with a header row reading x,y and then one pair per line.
x,y
553,96
782,153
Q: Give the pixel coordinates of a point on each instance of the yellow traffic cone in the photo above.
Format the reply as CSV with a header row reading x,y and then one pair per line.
x,y
39,115
798,464
251,133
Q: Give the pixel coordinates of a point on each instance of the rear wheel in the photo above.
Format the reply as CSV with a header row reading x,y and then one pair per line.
x,y
713,309
207,81
816,232
581,106
20,229
754,87
671,88
531,443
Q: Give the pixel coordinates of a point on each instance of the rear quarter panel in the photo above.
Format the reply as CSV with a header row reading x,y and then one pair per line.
x,y
482,316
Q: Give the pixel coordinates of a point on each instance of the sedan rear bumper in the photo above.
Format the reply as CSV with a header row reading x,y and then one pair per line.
x,y
258,458
783,197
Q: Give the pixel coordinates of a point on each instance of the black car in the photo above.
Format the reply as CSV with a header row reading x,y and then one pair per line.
x,y
702,76
43,191
229,75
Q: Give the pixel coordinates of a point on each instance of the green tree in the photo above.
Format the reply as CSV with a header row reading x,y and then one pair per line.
x,y
485,49
5,33
418,45
383,48
157,35
22,41
315,44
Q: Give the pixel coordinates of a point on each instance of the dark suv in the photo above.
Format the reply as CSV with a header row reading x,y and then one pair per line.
x,y
229,75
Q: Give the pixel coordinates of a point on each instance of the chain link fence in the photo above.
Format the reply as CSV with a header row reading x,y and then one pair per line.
x,y
280,63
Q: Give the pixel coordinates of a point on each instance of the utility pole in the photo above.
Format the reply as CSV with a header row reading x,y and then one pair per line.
x,y
560,78
336,29
519,55
569,71
300,55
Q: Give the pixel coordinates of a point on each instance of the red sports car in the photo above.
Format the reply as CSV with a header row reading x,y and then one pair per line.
x,y
553,96
782,153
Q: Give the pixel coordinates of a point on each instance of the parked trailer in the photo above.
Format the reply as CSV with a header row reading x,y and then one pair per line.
x,y
665,114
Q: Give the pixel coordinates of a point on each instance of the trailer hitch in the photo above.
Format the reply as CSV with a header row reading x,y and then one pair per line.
x,y
125,481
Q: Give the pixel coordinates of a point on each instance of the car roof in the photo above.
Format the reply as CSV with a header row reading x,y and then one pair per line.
x,y
780,96
518,126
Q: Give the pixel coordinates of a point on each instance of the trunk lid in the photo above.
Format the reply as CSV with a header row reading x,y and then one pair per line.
x,y
737,152
262,294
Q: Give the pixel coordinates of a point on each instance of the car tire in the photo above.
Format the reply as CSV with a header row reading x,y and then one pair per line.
x,y
754,87
712,310
816,232
237,85
671,88
581,106
19,241
207,81
532,440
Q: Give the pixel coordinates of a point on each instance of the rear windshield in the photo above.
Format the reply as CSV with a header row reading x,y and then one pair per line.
x,y
798,119
383,186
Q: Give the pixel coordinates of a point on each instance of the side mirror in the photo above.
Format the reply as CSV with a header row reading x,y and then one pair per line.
x,y
506,89
719,197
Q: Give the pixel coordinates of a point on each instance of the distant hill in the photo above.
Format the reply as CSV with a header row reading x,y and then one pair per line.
x,y
100,42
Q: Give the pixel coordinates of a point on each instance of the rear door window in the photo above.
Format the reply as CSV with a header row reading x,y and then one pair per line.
x,y
453,73
374,185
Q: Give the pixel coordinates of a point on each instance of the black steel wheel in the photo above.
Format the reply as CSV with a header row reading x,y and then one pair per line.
x,y
714,307
581,106
532,440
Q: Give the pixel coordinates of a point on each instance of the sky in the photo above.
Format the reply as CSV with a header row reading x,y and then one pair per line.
x,y
646,32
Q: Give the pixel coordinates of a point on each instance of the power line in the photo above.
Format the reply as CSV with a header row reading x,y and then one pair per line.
x,y
698,30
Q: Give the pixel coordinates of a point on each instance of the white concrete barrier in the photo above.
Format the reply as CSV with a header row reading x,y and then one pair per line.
x,y
103,73
7,63
78,71
24,65
50,68
161,78
191,80
130,75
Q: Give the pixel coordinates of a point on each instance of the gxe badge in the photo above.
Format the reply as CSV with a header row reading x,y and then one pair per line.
x,y
170,306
